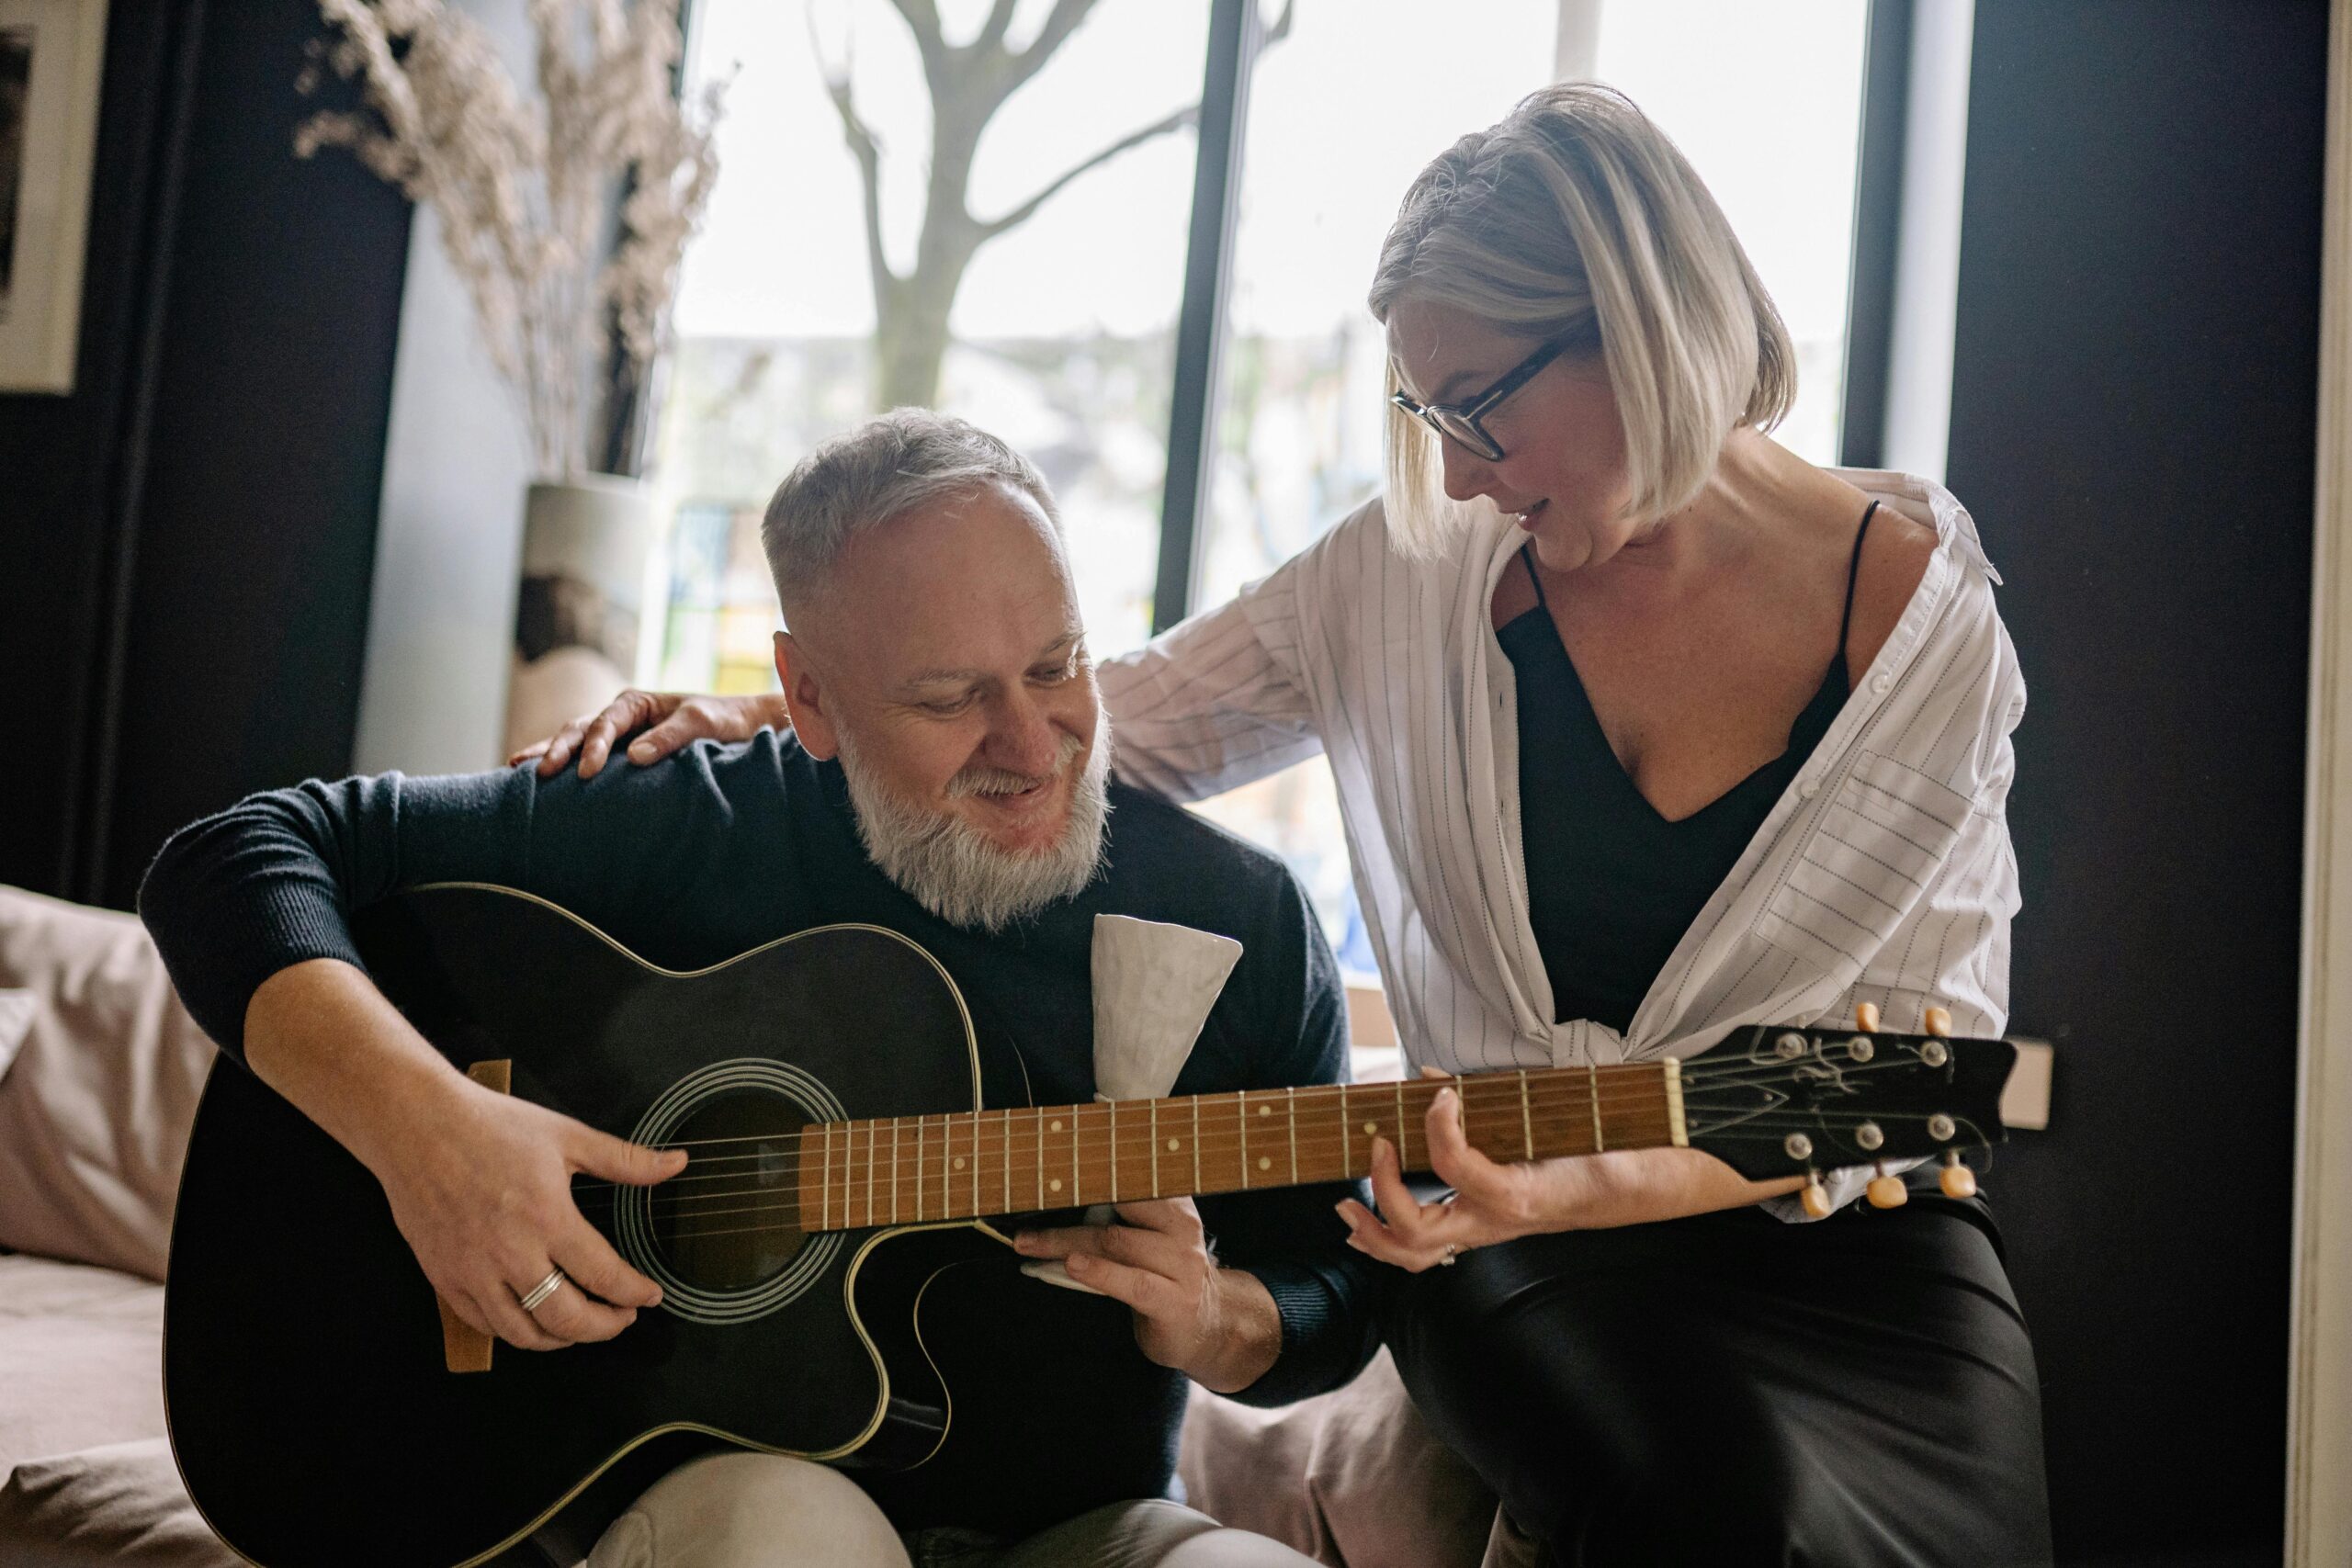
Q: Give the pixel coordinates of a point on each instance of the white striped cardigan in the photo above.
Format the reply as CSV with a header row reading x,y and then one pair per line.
x,y
1883,874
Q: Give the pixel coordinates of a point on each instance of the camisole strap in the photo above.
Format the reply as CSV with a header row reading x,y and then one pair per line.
x,y
1853,575
1527,560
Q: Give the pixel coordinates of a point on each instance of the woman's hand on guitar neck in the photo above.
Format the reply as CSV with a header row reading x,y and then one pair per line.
x,y
479,1182
1494,1202
1218,1327
670,721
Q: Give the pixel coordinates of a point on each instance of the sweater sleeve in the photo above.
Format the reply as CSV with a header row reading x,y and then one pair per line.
x,y
1213,703
273,880
1289,1237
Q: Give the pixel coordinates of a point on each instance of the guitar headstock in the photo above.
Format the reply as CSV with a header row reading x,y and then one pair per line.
x,y
1776,1102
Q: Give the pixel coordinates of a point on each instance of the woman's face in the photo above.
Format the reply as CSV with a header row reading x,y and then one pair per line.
x,y
1563,474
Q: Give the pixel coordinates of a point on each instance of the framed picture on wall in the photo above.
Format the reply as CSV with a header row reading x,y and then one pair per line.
x,y
50,55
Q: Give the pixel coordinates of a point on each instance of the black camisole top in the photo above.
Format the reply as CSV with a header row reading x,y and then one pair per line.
x,y
1611,886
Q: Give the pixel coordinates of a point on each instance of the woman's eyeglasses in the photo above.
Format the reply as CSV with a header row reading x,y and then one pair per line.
x,y
1460,422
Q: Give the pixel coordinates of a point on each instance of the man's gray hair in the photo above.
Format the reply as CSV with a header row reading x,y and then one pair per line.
x,y
884,469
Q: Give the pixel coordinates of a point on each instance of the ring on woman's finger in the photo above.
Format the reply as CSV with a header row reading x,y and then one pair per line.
x,y
538,1294
1452,1252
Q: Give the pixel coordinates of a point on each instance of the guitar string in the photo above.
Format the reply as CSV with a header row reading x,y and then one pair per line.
x,y
1759,1128
1564,1094
1565,1100
1725,1122
1695,1070
1567,1087
1572,1103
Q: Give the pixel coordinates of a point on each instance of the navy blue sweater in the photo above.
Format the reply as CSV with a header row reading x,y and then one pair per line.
x,y
721,849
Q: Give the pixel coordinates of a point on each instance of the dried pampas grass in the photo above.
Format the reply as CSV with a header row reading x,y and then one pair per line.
x,y
524,186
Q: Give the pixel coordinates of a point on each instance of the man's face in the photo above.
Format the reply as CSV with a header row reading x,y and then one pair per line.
x,y
946,663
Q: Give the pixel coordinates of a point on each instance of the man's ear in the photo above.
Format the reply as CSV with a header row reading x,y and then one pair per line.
x,y
803,698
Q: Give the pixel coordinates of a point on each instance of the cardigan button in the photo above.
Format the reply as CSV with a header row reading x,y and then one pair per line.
x,y
1808,789
1884,684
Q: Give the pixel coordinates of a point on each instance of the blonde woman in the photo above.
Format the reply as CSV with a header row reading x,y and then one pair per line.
x,y
1645,728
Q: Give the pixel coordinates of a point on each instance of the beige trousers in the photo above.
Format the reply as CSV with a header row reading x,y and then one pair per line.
x,y
746,1510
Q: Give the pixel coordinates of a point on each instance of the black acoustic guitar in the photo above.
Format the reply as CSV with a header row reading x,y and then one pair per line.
x,y
827,1086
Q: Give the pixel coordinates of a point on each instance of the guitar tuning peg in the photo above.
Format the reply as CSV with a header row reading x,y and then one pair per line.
x,y
1866,1017
1959,1181
1939,1021
1815,1198
1886,1191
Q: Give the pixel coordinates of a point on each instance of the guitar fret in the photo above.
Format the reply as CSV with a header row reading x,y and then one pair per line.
x,y
1241,1119
1155,1148
873,1137
976,1164
1526,1116
918,1214
1074,1188
1401,1166
825,1183
1041,1156
1114,1151
1289,1107
1196,1142
894,1170
1592,1090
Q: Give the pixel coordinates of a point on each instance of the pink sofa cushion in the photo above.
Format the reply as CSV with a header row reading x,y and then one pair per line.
x,y
1353,1478
94,1110
121,1506
81,1360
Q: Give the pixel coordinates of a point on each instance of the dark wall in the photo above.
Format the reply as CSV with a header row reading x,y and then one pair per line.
x,y
2132,425
188,539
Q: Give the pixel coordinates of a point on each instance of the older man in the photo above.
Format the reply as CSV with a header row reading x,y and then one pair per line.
x,y
948,778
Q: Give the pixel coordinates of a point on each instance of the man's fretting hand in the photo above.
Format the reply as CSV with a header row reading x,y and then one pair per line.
x,y
1217,1325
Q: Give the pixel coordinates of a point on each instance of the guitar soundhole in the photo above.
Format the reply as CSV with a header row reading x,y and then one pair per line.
x,y
730,1219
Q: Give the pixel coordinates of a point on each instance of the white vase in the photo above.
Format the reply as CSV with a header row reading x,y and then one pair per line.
x,y
585,543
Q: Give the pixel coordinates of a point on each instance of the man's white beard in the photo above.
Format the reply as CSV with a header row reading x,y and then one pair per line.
x,y
954,870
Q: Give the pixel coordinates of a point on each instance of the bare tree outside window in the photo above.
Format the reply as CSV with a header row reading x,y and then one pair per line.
x,y
969,83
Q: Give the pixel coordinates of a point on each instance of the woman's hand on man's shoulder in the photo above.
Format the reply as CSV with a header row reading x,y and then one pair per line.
x,y
662,723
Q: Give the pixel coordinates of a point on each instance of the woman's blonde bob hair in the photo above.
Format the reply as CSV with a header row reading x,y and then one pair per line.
x,y
1576,218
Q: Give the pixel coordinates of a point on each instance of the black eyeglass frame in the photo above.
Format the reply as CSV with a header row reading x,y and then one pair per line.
x,y
1472,412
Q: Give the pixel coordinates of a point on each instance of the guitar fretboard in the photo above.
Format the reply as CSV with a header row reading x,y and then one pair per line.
x,y
977,1164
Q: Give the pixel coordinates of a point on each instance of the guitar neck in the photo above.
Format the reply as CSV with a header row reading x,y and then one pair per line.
x,y
979,1164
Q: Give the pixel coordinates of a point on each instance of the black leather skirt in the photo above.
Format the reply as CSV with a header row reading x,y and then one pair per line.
x,y
1732,1390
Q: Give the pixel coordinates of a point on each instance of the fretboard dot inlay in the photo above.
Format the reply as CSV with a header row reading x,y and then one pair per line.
x,y
1265,1164
1057,1127
1265,1110
1172,1145
1371,1129
959,1165
1054,1185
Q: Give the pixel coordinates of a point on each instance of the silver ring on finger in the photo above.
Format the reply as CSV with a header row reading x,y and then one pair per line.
x,y
538,1294
1451,1253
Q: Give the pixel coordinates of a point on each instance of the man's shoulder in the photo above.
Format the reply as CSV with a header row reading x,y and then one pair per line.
x,y
1170,863
1144,823
763,763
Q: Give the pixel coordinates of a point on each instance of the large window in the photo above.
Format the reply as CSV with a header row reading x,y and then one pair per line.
x,y
1061,334
1054,332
